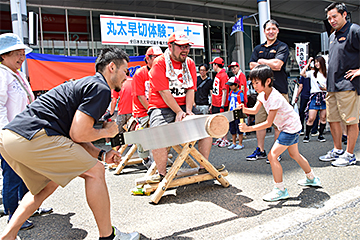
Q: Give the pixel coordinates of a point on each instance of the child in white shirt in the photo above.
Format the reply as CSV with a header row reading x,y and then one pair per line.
x,y
287,121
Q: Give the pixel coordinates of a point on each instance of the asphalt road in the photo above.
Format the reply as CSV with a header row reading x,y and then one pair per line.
x,y
209,211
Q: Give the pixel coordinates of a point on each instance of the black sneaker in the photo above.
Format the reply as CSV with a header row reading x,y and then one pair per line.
x,y
261,155
306,139
321,138
344,139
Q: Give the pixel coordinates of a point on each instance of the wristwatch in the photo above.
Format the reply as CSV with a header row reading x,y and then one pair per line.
x,y
101,154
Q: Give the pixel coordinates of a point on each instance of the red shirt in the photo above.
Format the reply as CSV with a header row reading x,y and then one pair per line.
x,y
243,82
140,87
159,82
125,102
219,84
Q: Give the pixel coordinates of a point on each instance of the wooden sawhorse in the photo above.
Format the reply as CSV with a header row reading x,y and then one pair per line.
x,y
179,177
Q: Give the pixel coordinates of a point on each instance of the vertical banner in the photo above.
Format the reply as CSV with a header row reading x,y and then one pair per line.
x,y
117,30
302,54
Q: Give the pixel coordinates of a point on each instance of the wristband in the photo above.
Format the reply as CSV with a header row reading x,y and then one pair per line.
x,y
100,154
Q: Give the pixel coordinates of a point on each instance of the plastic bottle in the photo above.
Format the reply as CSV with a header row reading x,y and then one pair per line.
x,y
139,191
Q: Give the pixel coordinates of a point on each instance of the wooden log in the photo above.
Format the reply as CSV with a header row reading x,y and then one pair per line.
x,y
217,126
125,159
148,188
209,167
188,159
173,170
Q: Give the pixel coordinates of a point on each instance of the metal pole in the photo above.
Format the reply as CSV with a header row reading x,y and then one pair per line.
x,y
92,34
41,32
224,41
67,31
264,15
19,24
209,45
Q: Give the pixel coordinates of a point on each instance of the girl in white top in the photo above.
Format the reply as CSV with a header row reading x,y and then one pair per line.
x,y
317,98
287,121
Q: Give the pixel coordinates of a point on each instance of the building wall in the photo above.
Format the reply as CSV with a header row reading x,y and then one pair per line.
x,y
81,37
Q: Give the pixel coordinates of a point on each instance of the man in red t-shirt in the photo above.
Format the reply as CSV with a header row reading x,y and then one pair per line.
x,y
124,106
140,94
172,87
220,93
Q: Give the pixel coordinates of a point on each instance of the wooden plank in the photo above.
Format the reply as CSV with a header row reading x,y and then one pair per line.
x,y
163,185
122,148
151,171
188,159
209,167
180,173
125,159
148,188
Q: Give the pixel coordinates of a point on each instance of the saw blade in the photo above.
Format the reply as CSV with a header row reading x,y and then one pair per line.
x,y
170,134
191,128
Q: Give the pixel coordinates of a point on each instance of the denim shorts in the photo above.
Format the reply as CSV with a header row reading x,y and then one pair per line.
x,y
288,139
313,106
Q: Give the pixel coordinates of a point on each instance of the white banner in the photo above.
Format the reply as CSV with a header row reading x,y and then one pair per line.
x,y
117,30
302,53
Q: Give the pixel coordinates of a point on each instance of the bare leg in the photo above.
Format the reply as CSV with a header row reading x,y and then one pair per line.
x,y
260,135
98,198
294,154
160,157
234,138
275,152
353,132
205,146
336,134
27,207
344,128
241,137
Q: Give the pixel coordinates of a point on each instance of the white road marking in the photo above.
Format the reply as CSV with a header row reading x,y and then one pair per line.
x,y
295,218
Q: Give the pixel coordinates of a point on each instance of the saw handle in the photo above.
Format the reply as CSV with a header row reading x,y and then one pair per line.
x,y
118,140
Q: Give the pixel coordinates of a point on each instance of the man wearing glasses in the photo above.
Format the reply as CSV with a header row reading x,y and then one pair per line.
x,y
171,97
204,87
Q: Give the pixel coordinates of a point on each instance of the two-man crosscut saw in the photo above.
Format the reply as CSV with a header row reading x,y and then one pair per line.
x,y
173,133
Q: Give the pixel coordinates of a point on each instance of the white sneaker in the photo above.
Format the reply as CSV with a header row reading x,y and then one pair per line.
x,y
344,160
331,156
126,236
238,147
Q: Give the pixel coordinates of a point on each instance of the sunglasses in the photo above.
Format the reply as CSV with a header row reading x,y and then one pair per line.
x,y
183,47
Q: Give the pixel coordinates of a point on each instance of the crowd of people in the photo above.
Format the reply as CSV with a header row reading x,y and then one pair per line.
x,y
57,140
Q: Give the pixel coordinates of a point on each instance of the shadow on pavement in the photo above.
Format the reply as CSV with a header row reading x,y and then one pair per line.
x,y
309,198
53,227
231,200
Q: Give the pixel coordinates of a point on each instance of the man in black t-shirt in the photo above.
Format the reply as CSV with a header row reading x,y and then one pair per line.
x,y
204,87
55,133
273,53
343,85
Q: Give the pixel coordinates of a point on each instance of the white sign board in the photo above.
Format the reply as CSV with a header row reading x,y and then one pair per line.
x,y
117,30
302,52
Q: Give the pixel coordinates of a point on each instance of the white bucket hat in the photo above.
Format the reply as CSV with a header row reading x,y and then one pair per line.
x,y
11,42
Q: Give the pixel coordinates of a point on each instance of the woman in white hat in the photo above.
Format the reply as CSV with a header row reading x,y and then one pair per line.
x,y
15,94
